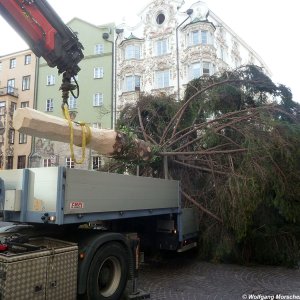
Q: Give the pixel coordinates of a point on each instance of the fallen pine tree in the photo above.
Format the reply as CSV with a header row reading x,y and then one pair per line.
x,y
234,143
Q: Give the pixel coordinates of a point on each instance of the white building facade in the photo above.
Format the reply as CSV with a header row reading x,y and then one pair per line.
x,y
172,45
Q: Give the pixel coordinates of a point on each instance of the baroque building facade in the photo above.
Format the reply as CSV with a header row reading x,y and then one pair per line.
x,y
171,45
17,90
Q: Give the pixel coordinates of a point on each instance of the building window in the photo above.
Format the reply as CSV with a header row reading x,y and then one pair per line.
x,y
195,37
11,86
161,47
160,18
206,67
50,79
162,79
10,162
2,108
98,72
133,52
201,69
25,83
132,83
199,37
13,107
25,104
49,105
72,102
223,54
47,162
96,162
12,63
98,99
99,49
195,71
27,59
21,162
204,37
70,163
96,125
11,136
22,138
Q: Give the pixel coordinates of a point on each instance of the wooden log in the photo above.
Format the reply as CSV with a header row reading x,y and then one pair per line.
x,y
105,141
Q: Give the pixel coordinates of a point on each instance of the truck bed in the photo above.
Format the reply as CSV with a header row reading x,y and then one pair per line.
x,y
63,196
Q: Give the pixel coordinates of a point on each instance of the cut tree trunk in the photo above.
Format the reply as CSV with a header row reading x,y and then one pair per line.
x,y
105,141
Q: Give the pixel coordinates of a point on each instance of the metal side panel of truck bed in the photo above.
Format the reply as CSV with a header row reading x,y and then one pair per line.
x,y
63,196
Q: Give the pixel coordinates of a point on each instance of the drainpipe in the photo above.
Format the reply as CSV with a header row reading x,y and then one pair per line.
x,y
189,12
105,36
118,32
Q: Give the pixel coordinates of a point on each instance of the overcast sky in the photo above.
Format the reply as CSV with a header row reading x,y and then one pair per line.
x,y
269,27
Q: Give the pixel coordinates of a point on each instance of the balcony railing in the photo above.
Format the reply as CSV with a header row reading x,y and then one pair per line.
x,y
9,90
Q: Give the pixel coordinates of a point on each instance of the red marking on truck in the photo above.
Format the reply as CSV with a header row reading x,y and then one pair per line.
x,y
76,205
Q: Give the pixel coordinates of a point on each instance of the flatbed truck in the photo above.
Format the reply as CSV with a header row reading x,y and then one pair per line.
x,y
92,224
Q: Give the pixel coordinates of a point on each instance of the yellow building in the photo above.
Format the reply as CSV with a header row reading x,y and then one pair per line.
x,y
17,89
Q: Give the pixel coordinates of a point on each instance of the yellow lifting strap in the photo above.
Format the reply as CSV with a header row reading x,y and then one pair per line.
x,y
86,135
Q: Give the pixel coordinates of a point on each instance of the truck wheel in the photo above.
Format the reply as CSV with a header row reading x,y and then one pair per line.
x,y
108,272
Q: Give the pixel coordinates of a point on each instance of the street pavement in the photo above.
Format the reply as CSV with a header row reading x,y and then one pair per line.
x,y
187,278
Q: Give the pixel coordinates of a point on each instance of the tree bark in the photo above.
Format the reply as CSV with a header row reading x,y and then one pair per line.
x,y
105,141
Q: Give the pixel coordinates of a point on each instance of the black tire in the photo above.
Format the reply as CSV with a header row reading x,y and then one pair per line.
x,y
108,273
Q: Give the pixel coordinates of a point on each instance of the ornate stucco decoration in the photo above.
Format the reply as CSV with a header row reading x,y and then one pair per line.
x,y
235,52
164,62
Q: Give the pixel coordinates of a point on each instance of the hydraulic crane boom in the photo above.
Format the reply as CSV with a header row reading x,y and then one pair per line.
x,y
46,34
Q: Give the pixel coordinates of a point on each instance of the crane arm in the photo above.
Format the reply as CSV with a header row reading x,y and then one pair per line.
x,y
46,34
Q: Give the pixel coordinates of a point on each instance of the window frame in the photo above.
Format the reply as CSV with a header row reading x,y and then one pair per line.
x,y
49,105
22,138
96,162
13,107
11,83
10,162
50,80
96,125
132,51
72,102
27,59
99,49
132,83
24,104
2,108
161,47
98,72
208,67
21,163
47,162
12,63
194,72
69,163
98,99
162,76
195,37
204,37
11,136
26,82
